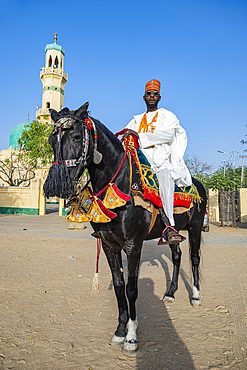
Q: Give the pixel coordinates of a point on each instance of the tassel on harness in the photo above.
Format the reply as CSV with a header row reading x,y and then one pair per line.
x,y
95,285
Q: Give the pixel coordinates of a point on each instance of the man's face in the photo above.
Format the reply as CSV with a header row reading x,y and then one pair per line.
x,y
151,98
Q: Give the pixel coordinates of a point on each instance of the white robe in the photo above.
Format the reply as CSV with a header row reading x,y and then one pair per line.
x,y
164,149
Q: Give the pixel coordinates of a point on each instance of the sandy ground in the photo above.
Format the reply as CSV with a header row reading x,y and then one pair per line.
x,y
49,318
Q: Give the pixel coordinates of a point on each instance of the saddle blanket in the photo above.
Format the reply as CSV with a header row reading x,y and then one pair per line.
x,y
144,183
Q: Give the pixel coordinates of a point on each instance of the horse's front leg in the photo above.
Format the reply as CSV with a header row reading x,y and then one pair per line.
x,y
176,259
115,263
131,341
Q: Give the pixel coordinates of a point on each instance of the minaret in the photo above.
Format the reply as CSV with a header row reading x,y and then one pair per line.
x,y
53,79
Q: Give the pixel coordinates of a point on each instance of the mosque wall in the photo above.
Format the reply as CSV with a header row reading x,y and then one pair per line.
x,y
53,88
30,199
23,200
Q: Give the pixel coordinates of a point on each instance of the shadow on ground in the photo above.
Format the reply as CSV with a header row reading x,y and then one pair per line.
x,y
160,345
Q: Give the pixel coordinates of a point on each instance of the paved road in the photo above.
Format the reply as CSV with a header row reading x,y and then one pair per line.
x,y
51,320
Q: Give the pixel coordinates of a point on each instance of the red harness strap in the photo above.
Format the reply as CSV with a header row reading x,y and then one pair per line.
x,y
68,162
119,168
98,253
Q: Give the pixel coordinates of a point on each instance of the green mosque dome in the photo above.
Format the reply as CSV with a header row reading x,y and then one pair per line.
x,y
16,134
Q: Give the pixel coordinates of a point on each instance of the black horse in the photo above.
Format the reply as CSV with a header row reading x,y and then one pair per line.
x,y
130,228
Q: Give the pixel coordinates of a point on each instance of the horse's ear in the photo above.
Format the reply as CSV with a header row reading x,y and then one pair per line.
x,y
53,113
82,111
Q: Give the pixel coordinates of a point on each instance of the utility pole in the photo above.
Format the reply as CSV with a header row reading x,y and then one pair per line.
x,y
234,160
242,172
225,166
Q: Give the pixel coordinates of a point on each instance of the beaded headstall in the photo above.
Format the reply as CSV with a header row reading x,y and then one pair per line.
x,y
66,123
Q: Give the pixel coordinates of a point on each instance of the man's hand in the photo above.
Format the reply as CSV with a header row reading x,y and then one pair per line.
x,y
130,132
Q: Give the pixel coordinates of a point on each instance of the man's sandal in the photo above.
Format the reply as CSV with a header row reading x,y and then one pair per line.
x,y
173,236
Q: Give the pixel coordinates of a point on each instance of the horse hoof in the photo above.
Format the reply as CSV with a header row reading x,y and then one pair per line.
x,y
116,341
168,299
195,301
129,349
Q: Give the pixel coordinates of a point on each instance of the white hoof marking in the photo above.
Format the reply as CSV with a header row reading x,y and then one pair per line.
x,y
130,345
168,299
195,297
116,341
195,293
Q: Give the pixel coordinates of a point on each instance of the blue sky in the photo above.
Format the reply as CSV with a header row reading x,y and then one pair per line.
x,y
197,49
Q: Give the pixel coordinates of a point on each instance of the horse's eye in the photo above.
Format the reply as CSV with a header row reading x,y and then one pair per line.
x,y
77,137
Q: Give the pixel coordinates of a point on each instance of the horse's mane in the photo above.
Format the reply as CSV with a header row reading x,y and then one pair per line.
x,y
108,133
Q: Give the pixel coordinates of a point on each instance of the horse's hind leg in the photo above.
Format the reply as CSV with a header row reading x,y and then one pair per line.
x,y
195,242
115,263
176,259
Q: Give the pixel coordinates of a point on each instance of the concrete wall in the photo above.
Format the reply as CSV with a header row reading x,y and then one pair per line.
x,y
213,205
243,205
23,200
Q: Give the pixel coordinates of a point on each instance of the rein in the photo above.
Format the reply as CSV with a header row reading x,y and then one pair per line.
x,y
117,172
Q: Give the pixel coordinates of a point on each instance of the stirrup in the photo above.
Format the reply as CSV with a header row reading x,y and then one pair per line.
x,y
175,239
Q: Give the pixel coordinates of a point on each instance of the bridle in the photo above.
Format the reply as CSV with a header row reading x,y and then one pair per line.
x,y
66,123
88,124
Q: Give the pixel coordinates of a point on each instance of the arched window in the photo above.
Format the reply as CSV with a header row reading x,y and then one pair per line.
x,y
50,62
56,62
48,105
61,64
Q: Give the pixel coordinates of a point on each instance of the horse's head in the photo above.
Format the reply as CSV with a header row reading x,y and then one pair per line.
x,y
71,142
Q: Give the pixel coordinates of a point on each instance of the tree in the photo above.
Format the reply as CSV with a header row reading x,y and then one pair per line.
x,y
34,140
226,179
14,172
199,169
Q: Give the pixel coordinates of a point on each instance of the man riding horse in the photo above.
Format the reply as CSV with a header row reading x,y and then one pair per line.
x,y
163,142
80,141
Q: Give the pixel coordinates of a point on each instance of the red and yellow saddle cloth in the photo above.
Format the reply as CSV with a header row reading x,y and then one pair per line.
x,y
144,183
86,207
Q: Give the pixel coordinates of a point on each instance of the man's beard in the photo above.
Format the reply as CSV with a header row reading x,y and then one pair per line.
x,y
152,105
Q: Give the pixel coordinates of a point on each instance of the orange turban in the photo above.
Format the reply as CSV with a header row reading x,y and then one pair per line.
x,y
152,85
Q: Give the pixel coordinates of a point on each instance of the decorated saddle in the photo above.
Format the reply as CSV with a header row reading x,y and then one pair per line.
x,y
86,206
144,184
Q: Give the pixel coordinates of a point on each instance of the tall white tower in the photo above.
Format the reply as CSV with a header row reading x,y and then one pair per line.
x,y
53,79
